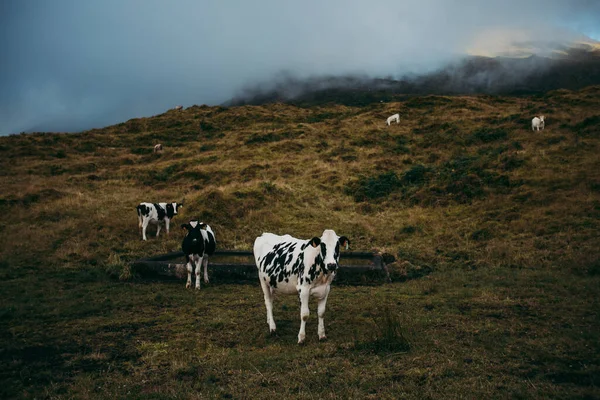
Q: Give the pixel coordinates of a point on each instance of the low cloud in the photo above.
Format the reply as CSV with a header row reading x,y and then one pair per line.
x,y
69,65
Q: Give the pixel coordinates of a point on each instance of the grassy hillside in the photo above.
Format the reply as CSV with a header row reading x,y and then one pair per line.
x,y
495,229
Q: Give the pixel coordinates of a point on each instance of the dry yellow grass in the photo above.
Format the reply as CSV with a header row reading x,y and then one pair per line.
x,y
495,229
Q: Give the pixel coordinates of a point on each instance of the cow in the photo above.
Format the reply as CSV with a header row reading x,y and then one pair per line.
x,y
158,148
395,117
537,122
156,213
289,265
197,245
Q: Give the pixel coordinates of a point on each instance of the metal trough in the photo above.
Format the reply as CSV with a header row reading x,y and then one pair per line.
x,y
162,265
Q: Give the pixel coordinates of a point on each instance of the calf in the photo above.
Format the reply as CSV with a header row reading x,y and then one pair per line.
x,y
537,123
395,117
289,265
197,249
156,213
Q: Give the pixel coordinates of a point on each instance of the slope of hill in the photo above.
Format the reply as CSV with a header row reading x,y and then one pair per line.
x,y
495,229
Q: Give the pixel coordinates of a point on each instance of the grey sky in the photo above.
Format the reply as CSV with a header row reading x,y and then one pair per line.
x,y
69,65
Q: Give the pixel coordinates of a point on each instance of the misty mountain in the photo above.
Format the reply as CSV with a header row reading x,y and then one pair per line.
x,y
569,68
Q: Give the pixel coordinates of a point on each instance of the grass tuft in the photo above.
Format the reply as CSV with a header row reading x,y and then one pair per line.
x,y
389,335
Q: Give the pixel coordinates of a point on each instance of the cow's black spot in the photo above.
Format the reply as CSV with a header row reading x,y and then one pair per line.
x,y
210,244
160,211
142,209
317,266
170,210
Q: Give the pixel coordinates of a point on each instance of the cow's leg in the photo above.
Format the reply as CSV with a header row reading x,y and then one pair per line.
x,y
190,268
144,226
198,270
268,304
205,262
321,313
304,294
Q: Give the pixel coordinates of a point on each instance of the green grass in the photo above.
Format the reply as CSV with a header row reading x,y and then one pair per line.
x,y
494,228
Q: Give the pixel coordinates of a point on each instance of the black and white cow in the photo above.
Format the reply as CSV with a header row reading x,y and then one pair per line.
x,y
307,267
156,213
198,244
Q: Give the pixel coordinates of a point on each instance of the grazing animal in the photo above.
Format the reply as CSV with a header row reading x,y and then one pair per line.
x,y
156,213
289,265
178,108
537,122
198,244
395,117
158,148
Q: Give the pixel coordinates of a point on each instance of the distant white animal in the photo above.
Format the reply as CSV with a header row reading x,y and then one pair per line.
x,y
395,117
177,108
537,123
158,148
306,267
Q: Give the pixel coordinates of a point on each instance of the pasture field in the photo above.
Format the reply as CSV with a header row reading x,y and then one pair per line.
x,y
495,230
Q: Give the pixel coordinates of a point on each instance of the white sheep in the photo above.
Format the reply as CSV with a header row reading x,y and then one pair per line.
x,y
395,117
537,123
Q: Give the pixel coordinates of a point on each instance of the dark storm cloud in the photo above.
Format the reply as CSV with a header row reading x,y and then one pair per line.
x,y
69,65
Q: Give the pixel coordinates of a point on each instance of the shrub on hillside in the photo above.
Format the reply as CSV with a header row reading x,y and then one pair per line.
x,y
487,135
373,187
256,138
589,127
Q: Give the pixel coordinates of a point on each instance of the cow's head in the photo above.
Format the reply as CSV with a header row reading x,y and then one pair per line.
x,y
172,209
329,245
193,229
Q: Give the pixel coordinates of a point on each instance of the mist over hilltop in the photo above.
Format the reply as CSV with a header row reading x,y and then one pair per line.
x,y
577,68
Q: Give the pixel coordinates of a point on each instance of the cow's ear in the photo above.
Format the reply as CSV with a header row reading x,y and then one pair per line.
x,y
344,241
314,242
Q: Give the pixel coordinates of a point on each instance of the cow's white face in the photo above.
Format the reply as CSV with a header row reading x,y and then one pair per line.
x,y
330,249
